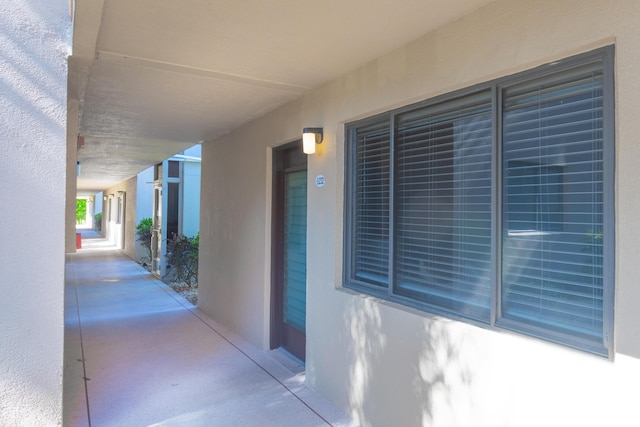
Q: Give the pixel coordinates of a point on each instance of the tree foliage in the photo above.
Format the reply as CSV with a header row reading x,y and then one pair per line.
x,y
81,211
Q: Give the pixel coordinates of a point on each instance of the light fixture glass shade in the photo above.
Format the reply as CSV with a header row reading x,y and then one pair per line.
x,y
309,143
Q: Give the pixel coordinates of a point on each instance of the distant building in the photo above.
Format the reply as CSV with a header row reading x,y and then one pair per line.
x,y
175,202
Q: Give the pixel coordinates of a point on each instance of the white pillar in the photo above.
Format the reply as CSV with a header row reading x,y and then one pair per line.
x,y
33,84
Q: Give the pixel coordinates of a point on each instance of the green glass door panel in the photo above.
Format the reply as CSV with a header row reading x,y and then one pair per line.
x,y
295,249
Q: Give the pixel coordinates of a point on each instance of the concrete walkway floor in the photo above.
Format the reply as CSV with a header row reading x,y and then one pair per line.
x,y
138,354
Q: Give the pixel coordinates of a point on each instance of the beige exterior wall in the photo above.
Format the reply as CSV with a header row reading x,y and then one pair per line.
x,y
33,179
385,364
234,223
72,172
122,235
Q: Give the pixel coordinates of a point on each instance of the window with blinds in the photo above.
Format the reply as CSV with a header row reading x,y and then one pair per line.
x,y
493,204
443,205
370,239
552,158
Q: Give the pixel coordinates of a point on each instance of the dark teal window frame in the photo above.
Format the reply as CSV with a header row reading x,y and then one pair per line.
x,y
414,238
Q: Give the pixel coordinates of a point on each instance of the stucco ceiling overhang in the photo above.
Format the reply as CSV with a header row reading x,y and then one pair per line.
x,y
149,78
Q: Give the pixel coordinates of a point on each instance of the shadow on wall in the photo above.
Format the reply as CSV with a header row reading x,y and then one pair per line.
x,y
405,369
364,322
35,82
33,86
443,378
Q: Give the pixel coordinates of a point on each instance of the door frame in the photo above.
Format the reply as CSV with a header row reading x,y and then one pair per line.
x,y
282,335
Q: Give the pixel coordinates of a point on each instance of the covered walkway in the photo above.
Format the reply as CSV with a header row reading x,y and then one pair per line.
x,y
137,354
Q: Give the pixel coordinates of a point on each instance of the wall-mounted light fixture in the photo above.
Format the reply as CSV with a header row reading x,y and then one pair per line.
x,y
78,168
311,137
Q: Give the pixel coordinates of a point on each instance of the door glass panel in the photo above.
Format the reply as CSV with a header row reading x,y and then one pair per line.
x,y
295,249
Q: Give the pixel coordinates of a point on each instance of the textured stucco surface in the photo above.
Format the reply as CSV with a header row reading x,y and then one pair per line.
x,y
33,67
389,365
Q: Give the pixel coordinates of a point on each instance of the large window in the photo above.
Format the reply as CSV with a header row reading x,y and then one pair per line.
x,y
493,204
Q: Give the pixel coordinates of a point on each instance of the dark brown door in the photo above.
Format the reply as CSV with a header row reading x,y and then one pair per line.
x,y
289,254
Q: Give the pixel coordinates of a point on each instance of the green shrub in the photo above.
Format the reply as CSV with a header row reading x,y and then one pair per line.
x,y
144,231
182,255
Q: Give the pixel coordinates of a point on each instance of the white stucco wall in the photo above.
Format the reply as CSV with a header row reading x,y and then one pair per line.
x,y
144,206
194,151
33,104
191,167
98,203
385,364
191,199
144,194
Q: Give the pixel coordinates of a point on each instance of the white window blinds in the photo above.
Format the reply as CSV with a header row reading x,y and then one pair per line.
x,y
552,158
443,205
494,203
371,203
